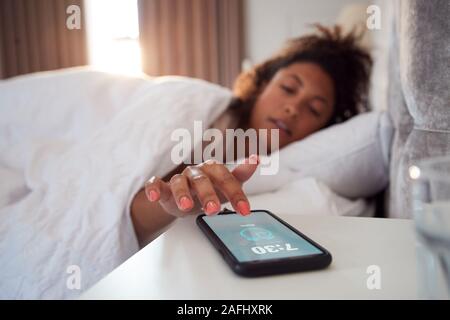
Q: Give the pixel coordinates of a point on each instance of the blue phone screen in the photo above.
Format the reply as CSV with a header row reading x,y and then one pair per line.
x,y
259,236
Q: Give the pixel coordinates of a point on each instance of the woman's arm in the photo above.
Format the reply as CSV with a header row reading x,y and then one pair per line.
x,y
149,218
159,203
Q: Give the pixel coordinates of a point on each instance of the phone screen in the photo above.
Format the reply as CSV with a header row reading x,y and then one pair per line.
x,y
259,236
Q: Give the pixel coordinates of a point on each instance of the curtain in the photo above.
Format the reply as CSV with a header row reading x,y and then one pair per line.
x,y
196,38
34,36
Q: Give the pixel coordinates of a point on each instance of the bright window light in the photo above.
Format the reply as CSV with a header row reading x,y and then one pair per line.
x,y
113,35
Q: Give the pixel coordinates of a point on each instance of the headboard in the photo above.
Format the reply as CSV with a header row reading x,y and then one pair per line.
x,y
418,94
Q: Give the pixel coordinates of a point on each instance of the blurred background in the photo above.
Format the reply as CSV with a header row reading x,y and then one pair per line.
x,y
209,39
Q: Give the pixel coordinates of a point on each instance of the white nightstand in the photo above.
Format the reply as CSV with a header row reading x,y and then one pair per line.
x,y
182,264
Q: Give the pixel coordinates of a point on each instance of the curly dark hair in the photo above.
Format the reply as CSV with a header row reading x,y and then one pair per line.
x,y
338,55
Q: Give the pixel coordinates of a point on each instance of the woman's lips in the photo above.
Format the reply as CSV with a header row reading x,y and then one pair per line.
x,y
281,125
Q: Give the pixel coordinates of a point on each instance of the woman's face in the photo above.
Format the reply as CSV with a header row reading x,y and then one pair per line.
x,y
298,101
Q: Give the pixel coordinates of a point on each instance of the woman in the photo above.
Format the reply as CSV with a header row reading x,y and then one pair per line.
x,y
312,83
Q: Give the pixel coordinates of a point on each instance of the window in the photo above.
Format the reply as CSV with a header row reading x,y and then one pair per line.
x,y
113,35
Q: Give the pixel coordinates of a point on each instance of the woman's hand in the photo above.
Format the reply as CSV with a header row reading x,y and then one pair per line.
x,y
195,188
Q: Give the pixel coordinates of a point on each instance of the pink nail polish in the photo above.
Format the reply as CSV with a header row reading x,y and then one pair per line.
x,y
254,159
243,207
211,207
185,203
153,195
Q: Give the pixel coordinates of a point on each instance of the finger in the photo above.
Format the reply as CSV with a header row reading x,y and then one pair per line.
x,y
180,190
229,186
156,189
204,190
244,171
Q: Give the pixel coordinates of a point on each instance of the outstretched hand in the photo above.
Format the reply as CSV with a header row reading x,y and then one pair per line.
x,y
196,188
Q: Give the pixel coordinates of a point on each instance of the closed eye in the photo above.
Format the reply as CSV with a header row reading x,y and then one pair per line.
x,y
287,89
314,111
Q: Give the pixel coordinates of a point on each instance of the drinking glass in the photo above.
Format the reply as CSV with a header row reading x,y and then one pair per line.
x,y
431,209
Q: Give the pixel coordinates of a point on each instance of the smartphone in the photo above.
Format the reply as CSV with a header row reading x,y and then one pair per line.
x,y
262,244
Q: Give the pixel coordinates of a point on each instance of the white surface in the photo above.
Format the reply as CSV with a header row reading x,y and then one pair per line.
x,y
182,264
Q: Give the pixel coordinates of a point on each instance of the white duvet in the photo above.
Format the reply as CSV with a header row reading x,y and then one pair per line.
x,y
75,145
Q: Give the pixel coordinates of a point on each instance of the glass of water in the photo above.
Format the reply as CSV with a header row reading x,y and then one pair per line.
x,y
431,207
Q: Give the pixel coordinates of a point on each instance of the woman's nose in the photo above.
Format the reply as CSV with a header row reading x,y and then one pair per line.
x,y
291,110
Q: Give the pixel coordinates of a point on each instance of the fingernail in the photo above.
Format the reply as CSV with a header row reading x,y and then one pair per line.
x,y
211,207
254,159
185,203
243,207
153,195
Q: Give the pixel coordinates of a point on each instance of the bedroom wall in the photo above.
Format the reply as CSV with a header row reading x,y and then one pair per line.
x,y
269,22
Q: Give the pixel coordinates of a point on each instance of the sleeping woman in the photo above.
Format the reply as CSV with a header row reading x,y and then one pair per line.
x,y
315,81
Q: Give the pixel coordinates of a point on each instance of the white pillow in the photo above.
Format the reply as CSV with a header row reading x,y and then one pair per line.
x,y
351,158
309,196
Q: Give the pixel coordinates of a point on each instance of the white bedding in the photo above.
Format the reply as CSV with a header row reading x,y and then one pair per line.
x,y
75,145
310,196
